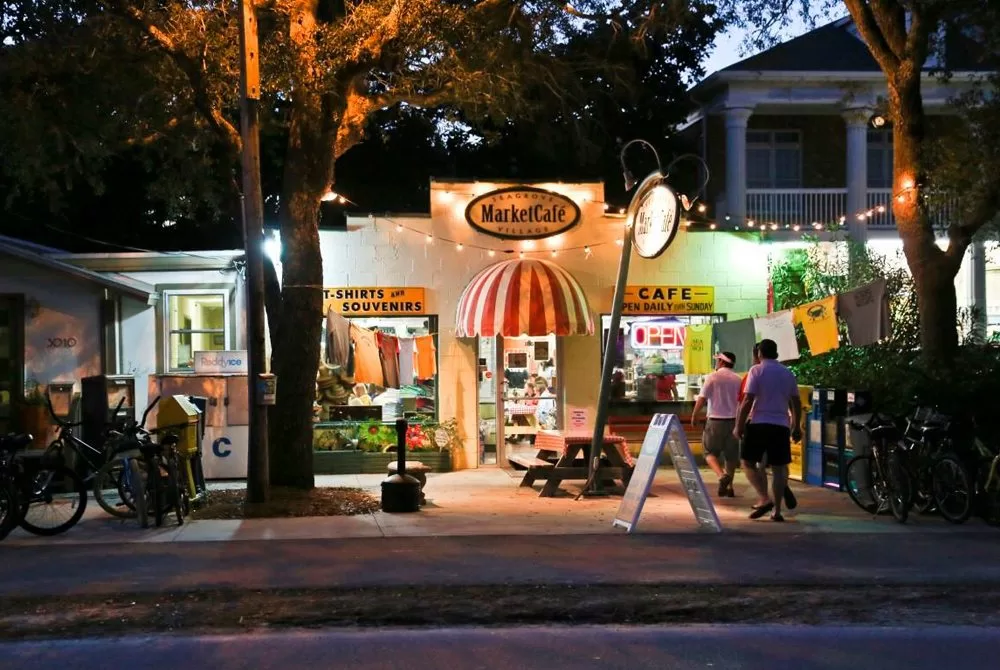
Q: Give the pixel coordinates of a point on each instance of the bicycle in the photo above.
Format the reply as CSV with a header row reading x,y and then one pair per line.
x,y
163,489
40,489
988,489
879,480
942,479
102,467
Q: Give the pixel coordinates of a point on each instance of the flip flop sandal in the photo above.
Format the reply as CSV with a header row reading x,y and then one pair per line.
x,y
761,511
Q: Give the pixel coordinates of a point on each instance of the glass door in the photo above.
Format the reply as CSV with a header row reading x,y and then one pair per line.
x,y
529,397
490,420
11,357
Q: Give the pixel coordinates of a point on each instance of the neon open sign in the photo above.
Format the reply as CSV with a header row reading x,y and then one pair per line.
x,y
657,336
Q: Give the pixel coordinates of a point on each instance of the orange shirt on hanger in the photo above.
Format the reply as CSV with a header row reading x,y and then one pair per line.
x,y
425,359
367,364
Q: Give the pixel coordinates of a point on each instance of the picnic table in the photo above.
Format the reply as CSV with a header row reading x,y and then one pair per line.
x,y
556,460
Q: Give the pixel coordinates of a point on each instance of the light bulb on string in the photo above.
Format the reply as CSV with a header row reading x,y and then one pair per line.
x,y
750,223
554,252
521,255
399,228
702,208
712,226
796,227
491,253
459,246
881,209
619,242
586,251
429,239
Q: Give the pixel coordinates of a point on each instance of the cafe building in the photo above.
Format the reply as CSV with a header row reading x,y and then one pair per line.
x,y
506,290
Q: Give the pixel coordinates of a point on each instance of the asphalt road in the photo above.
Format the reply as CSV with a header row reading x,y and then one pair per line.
x,y
732,558
549,648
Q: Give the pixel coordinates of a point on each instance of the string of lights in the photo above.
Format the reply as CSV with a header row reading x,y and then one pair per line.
x,y
696,219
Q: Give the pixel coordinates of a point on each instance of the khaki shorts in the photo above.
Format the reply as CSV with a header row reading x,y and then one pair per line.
x,y
718,440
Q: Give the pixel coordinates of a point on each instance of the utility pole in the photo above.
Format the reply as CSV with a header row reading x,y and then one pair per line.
x,y
253,235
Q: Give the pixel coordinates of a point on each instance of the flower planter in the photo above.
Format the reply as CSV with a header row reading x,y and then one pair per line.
x,y
365,463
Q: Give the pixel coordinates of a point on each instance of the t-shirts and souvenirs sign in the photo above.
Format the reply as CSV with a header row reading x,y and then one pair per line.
x,y
660,300
374,300
522,213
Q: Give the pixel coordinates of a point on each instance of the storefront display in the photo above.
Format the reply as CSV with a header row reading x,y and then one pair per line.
x,y
650,361
386,369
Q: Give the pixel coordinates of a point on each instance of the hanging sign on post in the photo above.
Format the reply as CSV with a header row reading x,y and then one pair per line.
x,y
655,216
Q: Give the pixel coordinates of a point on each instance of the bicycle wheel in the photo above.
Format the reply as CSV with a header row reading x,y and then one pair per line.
x,y
137,482
54,499
858,478
899,488
8,509
113,490
176,490
952,488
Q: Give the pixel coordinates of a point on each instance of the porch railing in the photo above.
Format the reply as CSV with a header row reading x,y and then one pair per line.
x,y
942,210
796,206
804,207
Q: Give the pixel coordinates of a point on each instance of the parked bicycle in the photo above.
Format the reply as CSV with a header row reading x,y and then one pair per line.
x,y
43,497
937,450
879,481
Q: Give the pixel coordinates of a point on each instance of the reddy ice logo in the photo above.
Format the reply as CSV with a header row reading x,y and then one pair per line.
x,y
220,362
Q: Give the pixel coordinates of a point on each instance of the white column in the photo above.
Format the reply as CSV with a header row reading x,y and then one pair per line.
x,y
977,284
857,171
736,163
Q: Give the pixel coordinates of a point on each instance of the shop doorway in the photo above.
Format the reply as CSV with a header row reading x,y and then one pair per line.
x,y
11,357
518,394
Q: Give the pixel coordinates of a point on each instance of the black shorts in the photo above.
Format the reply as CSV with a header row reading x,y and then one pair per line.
x,y
767,438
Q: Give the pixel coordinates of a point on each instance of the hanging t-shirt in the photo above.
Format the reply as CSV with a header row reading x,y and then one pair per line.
x,y
866,312
367,363
388,349
407,353
736,337
819,321
426,359
338,341
698,349
781,328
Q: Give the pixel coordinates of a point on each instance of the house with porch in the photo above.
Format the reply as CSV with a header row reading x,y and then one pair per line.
x,y
795,141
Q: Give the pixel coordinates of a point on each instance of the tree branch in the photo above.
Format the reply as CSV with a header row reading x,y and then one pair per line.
x,y
191,68
872,34
155,135
370,50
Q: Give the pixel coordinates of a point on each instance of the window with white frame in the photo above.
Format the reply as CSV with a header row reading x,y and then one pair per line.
x,y
195,321
774,159
880,159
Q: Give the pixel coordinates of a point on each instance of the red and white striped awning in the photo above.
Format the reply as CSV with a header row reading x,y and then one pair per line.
x,y
523,297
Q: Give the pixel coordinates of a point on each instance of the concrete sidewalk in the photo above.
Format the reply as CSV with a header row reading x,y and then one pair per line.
x,y
490,502
735,558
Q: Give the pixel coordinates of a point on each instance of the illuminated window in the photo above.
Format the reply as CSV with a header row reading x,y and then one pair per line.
x,y
194,322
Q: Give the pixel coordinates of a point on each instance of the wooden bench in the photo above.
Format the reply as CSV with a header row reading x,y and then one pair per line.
x,y
533,466
633,429
415,469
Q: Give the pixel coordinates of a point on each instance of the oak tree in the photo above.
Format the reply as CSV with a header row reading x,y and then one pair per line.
x,y
960,159
160,76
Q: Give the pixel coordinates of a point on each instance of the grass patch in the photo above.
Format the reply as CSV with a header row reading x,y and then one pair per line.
x,y
285,502
216,610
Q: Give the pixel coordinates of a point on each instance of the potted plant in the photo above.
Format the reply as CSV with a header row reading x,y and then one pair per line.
x,y
33,415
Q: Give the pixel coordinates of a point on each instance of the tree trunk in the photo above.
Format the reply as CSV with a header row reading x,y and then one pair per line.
x,y
296,352
933,270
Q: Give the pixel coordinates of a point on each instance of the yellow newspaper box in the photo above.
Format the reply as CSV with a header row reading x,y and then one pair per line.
x,y
180,414
796,469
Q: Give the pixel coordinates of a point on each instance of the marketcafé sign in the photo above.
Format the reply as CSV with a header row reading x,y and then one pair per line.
x,y
654,215
374,300
522,213
659,300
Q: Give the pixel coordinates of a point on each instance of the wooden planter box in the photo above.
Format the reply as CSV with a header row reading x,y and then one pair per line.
x,y
367,463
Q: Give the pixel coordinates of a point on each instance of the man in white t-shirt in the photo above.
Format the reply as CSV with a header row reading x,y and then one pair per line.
x,y
721,391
